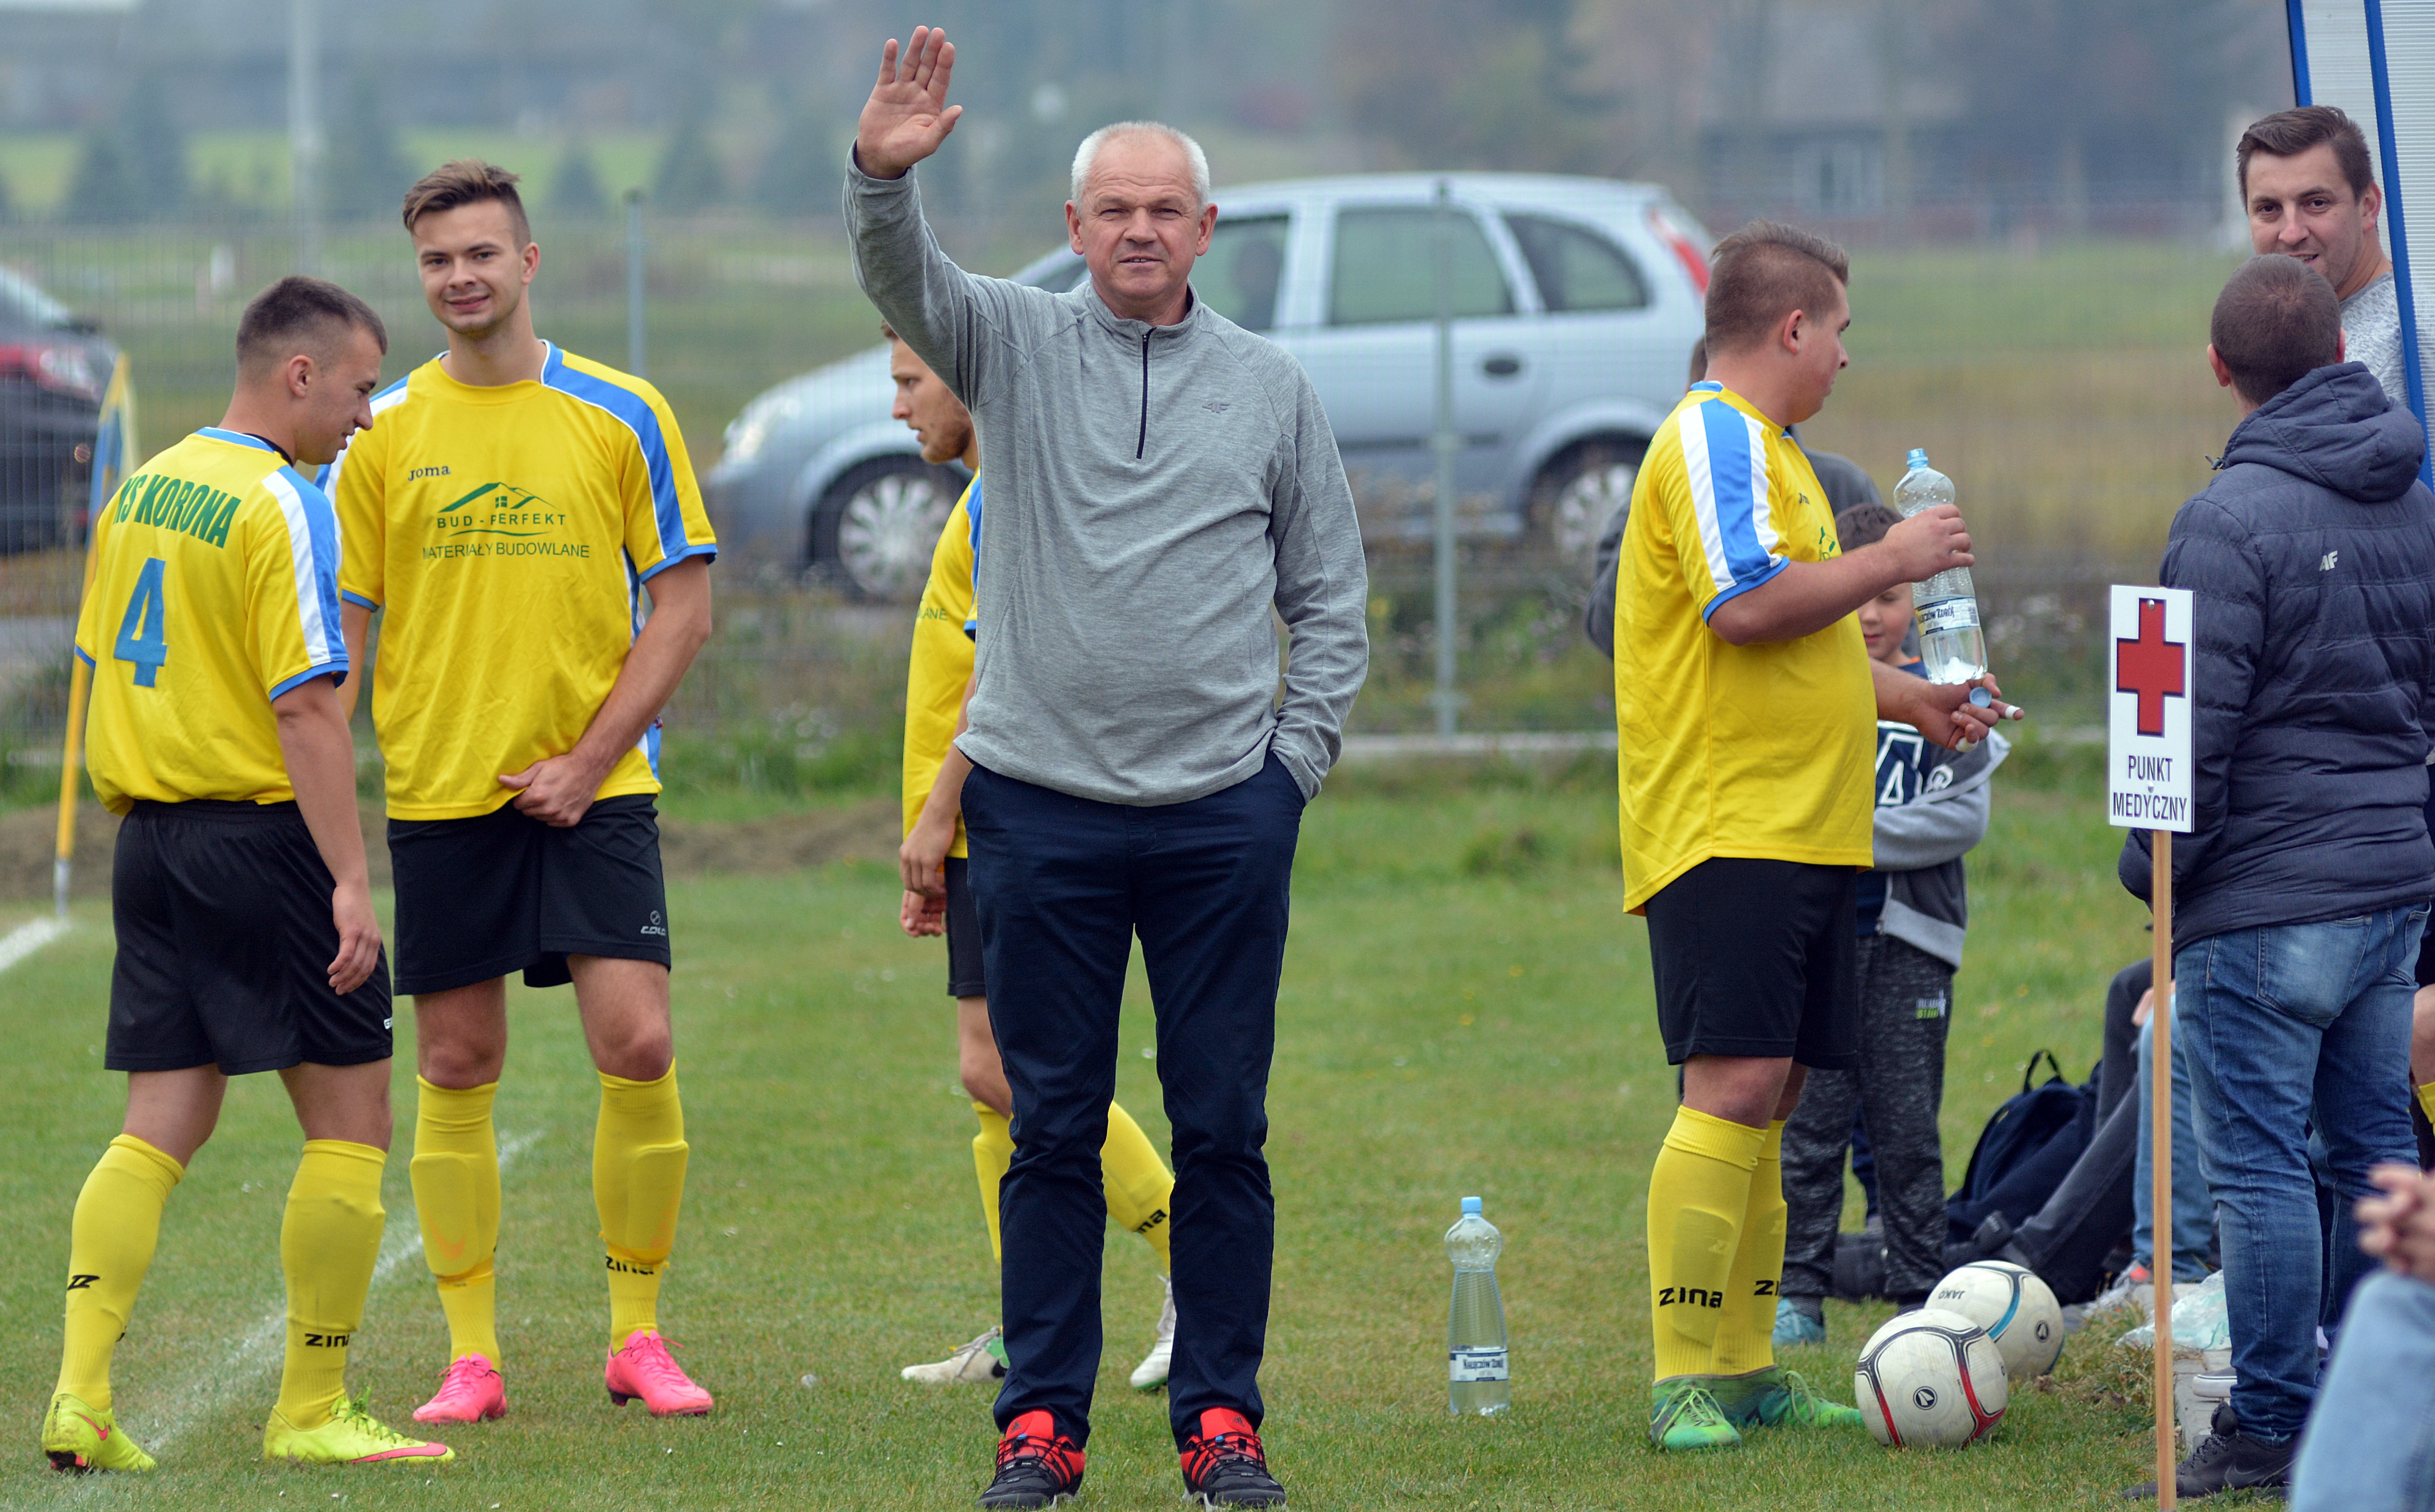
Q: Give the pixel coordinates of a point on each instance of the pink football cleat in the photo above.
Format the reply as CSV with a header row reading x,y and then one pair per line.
x,y
645,1368
471,1392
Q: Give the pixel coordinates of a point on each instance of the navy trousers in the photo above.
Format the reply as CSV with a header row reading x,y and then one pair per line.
x,y
1064,886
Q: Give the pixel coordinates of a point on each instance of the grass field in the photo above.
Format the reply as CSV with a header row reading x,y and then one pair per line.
x,y
1464,1011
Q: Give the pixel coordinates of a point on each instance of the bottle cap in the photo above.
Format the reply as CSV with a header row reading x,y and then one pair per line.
x,y
1918,457
1470,1207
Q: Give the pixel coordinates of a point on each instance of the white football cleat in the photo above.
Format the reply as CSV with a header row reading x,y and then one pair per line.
x,y
1151,1374
982,1360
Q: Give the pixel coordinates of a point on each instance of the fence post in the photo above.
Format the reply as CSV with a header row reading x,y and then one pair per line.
x,y
304,128
635,353
1444,441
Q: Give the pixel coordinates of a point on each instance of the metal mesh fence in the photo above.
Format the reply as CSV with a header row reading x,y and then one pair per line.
x,y
2060,388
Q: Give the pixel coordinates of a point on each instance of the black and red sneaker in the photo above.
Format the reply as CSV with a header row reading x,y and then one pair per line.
x,y
1223,1466
1037,1465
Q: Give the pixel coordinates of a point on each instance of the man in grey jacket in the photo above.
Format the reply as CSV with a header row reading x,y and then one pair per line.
x,y
1160,481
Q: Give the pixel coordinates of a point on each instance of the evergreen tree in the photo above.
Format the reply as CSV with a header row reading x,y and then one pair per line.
x,y
367,173
575,189
798,176
103,192
154,147
689,177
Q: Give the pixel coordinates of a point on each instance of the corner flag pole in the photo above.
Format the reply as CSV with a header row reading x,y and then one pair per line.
x,y
114,458
2160,1259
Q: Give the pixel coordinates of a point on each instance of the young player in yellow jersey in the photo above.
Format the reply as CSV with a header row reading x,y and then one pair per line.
x,y
1747,706
246,935
1139,1186
507,514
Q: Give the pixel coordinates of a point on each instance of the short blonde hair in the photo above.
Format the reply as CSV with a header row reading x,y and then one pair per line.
x,y
1089,151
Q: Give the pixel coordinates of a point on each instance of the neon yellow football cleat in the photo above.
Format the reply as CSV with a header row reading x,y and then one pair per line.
x,y
1684,1415
78,1437
352,1437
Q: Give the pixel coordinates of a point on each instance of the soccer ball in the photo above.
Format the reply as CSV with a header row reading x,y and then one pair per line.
x,y
1933,1378
2015,1308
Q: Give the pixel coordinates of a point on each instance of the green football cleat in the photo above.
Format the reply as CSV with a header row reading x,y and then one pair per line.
x,y
1684,1413
78,1437
1777,1397
352,1437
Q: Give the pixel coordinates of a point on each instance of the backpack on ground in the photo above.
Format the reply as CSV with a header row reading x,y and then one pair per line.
x,y
2023,1153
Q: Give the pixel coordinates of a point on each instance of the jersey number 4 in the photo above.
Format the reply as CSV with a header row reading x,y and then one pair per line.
x,y
143,637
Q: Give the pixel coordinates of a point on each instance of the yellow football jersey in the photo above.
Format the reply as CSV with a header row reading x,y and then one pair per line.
x,y
942,658
1763,750
508,532
214,590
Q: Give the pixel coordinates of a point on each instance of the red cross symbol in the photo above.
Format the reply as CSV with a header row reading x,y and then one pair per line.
x,y
2150,666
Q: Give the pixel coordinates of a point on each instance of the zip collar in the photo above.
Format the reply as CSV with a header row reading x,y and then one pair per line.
x,y
1142,330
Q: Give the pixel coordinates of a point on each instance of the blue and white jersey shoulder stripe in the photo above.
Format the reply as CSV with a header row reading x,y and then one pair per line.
x,y
972,515
635,413
1724,458
312,554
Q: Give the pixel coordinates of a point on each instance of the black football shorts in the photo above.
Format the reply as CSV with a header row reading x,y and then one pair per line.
x,y
225,941
964,976
504,892
1761,958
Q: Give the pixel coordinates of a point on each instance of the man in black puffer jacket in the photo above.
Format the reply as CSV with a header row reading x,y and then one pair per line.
x,y
2302,888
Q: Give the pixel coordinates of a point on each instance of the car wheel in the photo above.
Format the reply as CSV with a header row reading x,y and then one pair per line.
x,y
876,526
1581,491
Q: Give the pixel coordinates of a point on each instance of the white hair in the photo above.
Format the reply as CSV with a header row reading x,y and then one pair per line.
x,y
1089,151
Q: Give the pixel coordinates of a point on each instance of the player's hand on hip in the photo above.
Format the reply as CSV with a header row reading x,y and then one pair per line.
x,y
919,915
557,790
1930,542
907,114
359,936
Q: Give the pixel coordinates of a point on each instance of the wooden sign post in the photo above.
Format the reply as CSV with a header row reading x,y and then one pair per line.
x,y
2148,787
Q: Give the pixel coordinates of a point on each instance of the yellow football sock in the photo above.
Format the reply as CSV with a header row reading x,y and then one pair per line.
x,y
328,1244
992,1151
455,1176
638,1167
1697,1196
1140,1191
1746,1331
2426,1100
109,1246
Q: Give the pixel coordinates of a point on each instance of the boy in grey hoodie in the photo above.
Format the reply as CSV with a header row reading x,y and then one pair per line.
x,y
1933,808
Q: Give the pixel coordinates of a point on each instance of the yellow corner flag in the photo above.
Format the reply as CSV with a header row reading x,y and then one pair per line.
x,y
114,458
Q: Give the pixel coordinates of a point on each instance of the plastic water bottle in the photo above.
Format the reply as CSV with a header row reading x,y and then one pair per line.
x,y
1476,1368
1950,641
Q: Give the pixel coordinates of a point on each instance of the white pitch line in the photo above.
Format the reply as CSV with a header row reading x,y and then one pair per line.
x,y
256,1352
26,938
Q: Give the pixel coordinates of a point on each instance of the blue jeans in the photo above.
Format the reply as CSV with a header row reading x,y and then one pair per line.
x,y
2370,1446
2287,1025
2193,1204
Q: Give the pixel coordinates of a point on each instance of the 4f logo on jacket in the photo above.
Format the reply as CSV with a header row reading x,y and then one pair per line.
x,y
2329,562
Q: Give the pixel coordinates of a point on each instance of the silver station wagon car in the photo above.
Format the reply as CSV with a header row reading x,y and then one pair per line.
x,y
1575,304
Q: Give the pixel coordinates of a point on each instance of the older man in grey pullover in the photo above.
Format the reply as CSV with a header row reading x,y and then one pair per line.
x,y
1160,481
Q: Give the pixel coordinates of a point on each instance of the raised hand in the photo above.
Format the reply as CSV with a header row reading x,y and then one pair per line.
x,y
907,114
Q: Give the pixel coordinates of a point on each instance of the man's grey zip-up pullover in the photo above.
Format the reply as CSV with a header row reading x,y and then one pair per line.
x,y
1153,491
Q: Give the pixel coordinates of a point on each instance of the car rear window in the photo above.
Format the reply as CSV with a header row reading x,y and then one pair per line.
x,y
1386,267
1576,269
1242,269
22,304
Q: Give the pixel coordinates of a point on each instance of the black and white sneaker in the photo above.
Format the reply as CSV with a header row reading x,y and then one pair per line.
x,y
1223,1466
2227,1460
1037,1465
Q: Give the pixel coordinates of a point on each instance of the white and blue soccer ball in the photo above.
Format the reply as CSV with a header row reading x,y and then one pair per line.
x,y
1931,1379
2017,1309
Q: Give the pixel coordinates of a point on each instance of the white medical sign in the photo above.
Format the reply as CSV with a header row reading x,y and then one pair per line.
x,y
2148,663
